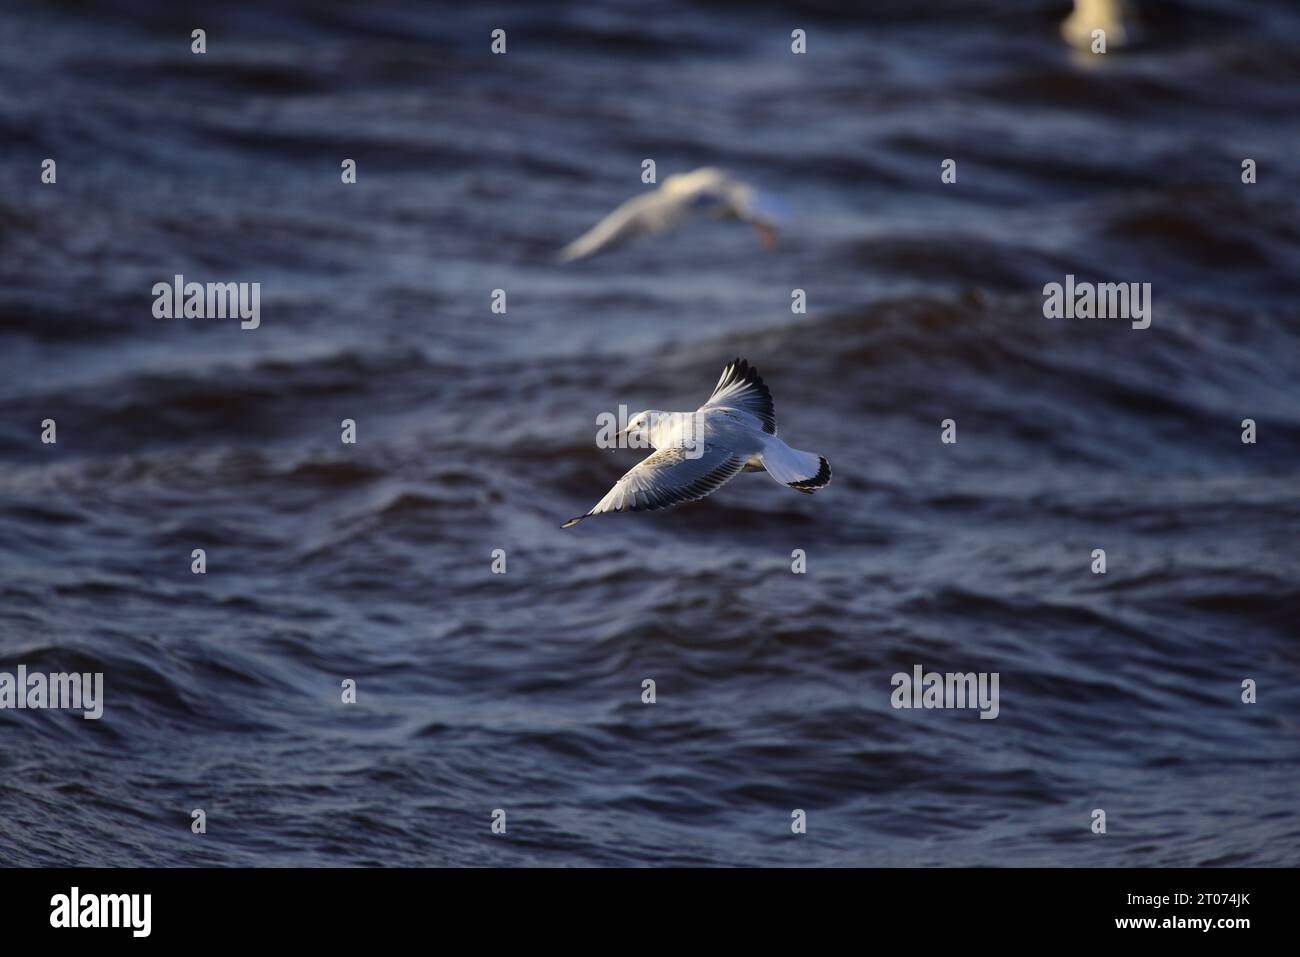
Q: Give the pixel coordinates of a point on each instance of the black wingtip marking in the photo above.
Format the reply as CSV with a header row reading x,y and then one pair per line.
x,y
739,370
820,480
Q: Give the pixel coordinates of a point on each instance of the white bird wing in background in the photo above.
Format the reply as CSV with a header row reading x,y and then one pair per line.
x,y
651,213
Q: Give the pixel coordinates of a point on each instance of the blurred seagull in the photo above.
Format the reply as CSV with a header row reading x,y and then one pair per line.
x,y
708,192
1116,17
696,452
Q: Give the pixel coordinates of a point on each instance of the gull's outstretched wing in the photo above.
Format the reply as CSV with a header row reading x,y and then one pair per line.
x,y
650,213
668,477
741,387
703,192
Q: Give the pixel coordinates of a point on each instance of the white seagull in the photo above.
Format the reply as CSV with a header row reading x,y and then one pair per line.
x,y
708,191
1117,18
696,452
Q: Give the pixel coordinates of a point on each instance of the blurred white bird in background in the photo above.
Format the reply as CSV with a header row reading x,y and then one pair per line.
x,y
1118,18
706,192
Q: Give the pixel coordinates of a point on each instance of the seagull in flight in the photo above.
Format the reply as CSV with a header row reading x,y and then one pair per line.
x,y
1117,18
696,452
703,192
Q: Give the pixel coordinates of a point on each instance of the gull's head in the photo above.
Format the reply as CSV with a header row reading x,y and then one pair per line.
x,y
641,427
766,212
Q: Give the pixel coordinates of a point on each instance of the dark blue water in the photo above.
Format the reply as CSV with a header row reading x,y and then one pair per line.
x,y
476,431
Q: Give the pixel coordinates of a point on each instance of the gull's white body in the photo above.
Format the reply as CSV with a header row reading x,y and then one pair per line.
x,y
696,452
702,192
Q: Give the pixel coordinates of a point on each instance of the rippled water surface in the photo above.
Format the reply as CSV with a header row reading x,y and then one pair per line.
x,y
476,432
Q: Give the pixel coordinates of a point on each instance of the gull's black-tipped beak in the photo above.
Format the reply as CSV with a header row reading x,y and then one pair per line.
x,y
573,521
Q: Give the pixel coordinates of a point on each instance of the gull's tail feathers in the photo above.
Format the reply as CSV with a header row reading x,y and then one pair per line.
x,y
803,471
